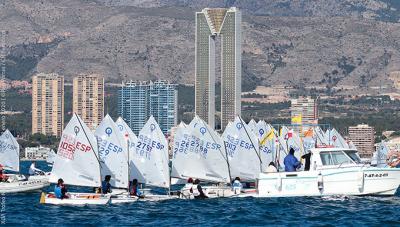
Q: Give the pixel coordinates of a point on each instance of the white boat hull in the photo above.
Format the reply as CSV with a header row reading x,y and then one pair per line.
x,y
218,192
125,198
339,181
76,199
31,184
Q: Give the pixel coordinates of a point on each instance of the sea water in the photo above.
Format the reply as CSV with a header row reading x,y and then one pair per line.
x,y
24,209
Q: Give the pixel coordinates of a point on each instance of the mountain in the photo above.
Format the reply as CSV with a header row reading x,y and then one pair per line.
x,y
285,42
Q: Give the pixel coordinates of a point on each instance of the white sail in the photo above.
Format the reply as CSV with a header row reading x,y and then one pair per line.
x,y
182,165
131,140
113,153
268,143
381,155
200,153
319,135
76,161
282,152
151,156
243,151
291,139
51,157
9,151
335,139
252,125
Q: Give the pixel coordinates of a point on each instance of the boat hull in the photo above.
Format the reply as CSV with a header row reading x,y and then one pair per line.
x,y
31,184
131,199
76,199
330,182
218,192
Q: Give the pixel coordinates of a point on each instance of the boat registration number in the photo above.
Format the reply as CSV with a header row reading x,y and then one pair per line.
x,y
370,175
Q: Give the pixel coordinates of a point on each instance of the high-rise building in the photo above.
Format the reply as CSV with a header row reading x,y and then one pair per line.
x,y
47,104
88,98
163,100
137,101
363,138
211,24
304,108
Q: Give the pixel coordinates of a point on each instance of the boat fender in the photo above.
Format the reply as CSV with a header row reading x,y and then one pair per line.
x,y
320,181
42,198
279,183
360,180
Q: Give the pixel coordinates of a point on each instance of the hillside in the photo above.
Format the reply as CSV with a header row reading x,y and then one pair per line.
x,y
299,43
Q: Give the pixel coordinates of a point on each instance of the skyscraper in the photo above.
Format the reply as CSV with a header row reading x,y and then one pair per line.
x,y
363,137
211,24
137,101
47,104
88,98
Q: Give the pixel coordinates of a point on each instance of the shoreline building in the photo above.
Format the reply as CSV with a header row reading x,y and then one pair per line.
x,y
363,137
304,111
213,23
137,101
48,104
88,98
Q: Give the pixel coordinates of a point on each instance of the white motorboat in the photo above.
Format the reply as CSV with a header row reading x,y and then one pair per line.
x,y
9,160
77,163
333,171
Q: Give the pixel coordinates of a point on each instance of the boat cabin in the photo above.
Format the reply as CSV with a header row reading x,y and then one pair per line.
x,y
327,158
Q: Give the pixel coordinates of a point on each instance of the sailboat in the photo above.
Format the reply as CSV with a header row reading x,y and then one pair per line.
x,y
242,151
267,142
77,163
199,153
148,160
113,154
9,159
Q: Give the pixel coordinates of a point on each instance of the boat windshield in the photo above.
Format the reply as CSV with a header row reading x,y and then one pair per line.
x,y
335,158
354,156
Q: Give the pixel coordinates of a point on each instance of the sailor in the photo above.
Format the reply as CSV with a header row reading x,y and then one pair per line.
x,y
35,171
3,177
198,190
105,185
271,168
187,190
60,190
134,189
291,162
237,186
307,158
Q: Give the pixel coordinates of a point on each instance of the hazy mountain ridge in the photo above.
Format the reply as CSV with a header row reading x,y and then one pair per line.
x,y
300,43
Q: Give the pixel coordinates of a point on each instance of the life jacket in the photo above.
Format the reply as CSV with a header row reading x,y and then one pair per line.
x,y
58,191
188,188
237,186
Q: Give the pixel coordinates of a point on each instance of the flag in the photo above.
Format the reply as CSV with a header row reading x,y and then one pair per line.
x,y
267,136
297,119
289,134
